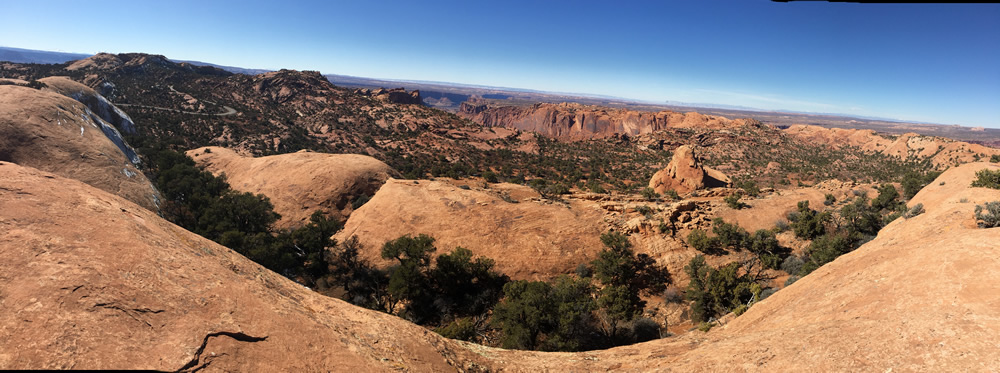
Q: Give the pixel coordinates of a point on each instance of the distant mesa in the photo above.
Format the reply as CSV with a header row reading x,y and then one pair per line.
x,y
685,174
394,96
571,121
299,183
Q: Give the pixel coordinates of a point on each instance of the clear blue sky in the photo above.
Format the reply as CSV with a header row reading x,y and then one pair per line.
x,y
924,62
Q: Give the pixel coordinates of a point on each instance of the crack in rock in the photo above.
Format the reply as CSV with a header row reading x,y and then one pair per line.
x,y
192,366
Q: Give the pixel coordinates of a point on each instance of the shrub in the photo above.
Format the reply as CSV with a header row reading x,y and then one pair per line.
x,y
860,216
912,182
825,249
490,177
714,291
461,329
673,294
888,198
739,310
664,227
808,223
987,179
705,326
625,275
533,309
644,329
700,241
988,215
649,194
792,265
830,199
914,211
672,194
780,226
359,201
733,201
749,187
644,210
729,235
791,280
995,158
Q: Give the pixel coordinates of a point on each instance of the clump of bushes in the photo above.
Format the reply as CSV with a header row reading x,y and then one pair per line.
x,y
649,194
808,223
716,291
988,215
987,179
672,194
913,181
914,211
829,199
733,201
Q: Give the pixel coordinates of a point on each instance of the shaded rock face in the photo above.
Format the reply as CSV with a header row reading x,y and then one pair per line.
x,y
92,281
685,173
52,132
299,183
568,121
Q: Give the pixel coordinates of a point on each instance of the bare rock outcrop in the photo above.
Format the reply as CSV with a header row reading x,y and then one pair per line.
x,y
55,133
528,240
570,121
685,173
92,281
394,95
299,183
942,152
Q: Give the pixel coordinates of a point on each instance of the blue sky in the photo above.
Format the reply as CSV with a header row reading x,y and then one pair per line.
x,y
935,63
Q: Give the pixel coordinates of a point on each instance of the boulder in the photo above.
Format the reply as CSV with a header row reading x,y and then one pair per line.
x,y
685,174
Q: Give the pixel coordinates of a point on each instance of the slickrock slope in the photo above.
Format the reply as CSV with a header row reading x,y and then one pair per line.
x,y
685,173
919,297
528,240
92,281
96,103
299,183
52,132
569,121
941,151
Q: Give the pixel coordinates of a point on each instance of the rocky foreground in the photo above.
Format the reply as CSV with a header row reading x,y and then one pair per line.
x,y
91,281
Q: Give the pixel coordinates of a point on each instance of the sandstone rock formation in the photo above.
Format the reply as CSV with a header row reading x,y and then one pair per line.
x,y
92,281
52,132
299,183
569,121
137,292
919,297
685,173
942,152
528,240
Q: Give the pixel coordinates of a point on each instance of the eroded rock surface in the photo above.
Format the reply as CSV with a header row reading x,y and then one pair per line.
x,y
52,132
